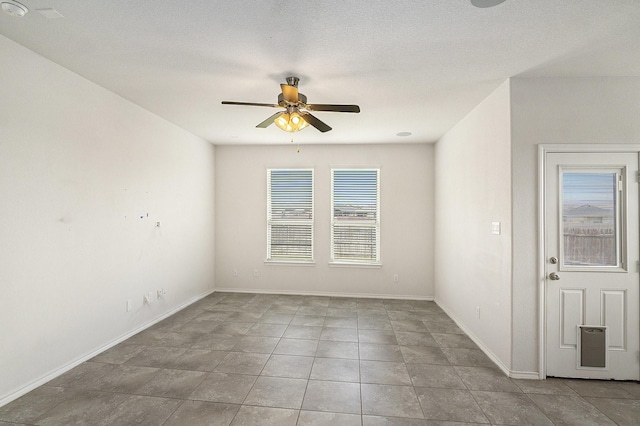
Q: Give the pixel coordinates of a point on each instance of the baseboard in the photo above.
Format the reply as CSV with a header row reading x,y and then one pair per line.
x,y
528,375
322,293
508,372
59,371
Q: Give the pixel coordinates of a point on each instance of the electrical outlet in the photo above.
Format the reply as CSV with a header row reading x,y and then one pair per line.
x,y
129,305
159,293
147,298
478,311
235,272
255,273
396,278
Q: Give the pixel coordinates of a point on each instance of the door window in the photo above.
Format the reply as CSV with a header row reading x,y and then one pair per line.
x,y
590,219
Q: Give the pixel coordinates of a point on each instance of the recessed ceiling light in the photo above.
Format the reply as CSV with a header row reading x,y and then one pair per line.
x,y
486,3
403,134
14,8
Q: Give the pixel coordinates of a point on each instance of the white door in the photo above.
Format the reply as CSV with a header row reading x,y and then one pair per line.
x,y
592,254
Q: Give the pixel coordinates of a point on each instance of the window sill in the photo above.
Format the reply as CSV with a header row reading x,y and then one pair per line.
x,y
291,262
355,265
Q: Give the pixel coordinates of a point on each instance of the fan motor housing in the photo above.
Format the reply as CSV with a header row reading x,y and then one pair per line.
x,y
302,99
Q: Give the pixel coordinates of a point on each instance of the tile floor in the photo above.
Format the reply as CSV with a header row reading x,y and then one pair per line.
x,y
246,359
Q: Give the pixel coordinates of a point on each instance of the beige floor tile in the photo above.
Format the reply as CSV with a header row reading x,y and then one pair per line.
x,y
302,347
242,363
265,359
320,418
141,410
385,400
302,332
343,370
87,407
256,344
384,373
510,409
329,349
292,366
435,376
279,392
335,397
29,407
172,383
569,409
223,387
450,405
486,379
265,416
621,411
196,413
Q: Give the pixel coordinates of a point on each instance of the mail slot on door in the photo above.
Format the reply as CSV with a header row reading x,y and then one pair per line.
x,y
593,346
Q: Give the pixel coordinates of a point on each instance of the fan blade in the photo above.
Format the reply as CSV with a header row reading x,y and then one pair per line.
x,y
270,120
320,125
335,108
250,104
290,93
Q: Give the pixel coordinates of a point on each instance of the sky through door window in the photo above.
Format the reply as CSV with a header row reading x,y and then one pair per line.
x,y
355,215
290,214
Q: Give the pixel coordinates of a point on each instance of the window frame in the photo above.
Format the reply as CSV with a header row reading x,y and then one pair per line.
x,y
271,221
619,216
375,224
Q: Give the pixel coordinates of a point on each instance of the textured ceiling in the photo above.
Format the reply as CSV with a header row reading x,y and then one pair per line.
x,y
412,66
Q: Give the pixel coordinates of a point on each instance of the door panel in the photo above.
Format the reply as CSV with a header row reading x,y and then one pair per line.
x,y
614,313
571,313
592,234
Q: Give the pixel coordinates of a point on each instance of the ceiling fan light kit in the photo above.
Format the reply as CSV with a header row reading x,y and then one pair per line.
x,y
291,122
296,116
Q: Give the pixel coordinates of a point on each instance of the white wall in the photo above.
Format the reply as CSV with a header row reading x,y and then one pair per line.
x,y
473,189
406,191
79,166
555,110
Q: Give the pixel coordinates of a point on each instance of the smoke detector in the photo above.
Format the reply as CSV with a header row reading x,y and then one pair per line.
x,y
14,8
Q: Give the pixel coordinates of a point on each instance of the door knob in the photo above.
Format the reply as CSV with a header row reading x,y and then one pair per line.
x,y
554,277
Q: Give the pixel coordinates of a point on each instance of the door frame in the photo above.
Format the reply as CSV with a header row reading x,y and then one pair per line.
x,y
543,150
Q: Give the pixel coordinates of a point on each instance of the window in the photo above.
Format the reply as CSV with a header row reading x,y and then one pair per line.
x,y
355,214
590,211
290,214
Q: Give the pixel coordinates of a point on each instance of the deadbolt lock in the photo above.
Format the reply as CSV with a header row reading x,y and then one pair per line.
x,y
553,260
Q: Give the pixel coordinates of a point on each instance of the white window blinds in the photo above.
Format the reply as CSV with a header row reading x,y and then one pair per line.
x,y
290,214
355,203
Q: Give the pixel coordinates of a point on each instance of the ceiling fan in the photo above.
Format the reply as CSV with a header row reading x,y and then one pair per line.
x,y
296,115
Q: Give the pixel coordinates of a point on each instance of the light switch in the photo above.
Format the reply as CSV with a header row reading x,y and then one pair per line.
x,y
495,228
